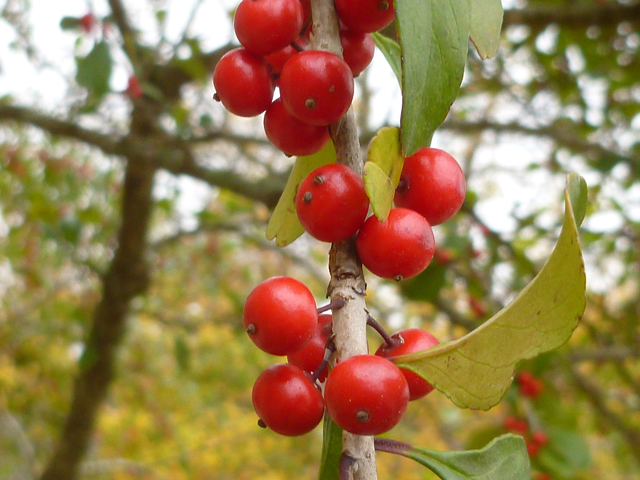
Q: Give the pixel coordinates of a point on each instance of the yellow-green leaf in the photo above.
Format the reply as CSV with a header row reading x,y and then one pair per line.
x,y
476,370
382,170
486,23
284,225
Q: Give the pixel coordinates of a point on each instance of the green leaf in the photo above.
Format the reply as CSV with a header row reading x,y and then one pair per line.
x,y
182,353
504,458
70,23
284,225
94,70
434,37
391,51
382,170
331,450
476,370
486,23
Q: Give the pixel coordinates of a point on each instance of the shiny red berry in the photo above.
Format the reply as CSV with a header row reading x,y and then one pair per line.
x,y
410,341
357,50
265,26
287,401
331,203
280,315
432,184
309,358
291,135
400,247
366,395
316,87
365,15
242,81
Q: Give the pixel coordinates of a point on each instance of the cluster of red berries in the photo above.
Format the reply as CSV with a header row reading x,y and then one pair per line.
x,y
529,385
332,205
536,440
316,87
363,394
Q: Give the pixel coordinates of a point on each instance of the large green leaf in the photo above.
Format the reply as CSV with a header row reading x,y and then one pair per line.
x,y
476,370
94,70
486,23
284,225
391,51
504,458
382,170
331,450
434,36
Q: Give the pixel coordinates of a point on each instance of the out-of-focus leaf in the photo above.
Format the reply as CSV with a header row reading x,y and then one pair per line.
x,y
486,23
565,454
382,170
434,38
476,370
284,225
94,70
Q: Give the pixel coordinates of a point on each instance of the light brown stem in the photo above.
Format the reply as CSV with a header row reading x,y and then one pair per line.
x,y
347,280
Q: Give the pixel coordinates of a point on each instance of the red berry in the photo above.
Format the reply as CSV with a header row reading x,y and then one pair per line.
x,y
331,203
312,354
287,401
87,22
278,58
410,341
243,83
134,90
529,385
280,315
265,26
432,184
398,248
516,425
366,395
357,50
316,87
533,449
291,135
365,15
540,438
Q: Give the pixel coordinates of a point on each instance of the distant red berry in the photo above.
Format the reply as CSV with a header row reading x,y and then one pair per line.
x,y
540,438
266,26
516,425
291,135
398,248
410,341
533,449
280,315
309,358
366,395
331,203
287,401
242,81
316,87
87,22
134,90
365,15
529,385
357,50
432,184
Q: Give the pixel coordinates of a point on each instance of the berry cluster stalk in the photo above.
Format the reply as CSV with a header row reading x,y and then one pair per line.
x,y
347,280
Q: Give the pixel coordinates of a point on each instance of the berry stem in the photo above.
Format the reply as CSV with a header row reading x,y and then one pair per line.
x,y
346,466
373,323
329,348
333,304
391,446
